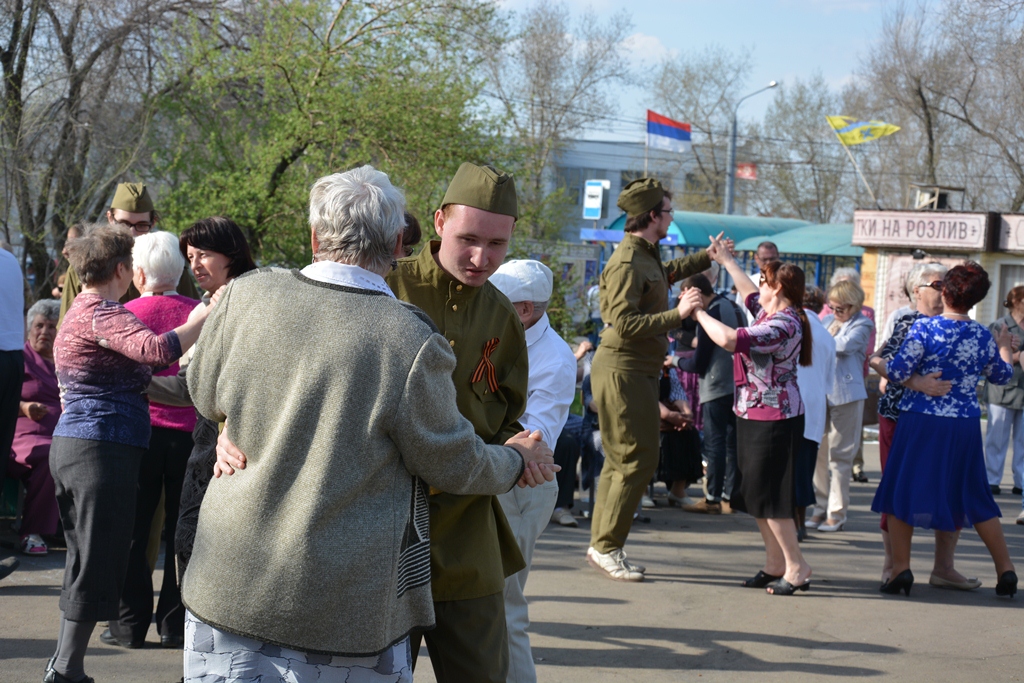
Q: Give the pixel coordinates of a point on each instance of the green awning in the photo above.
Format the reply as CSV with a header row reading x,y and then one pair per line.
x,y
695,227
829,239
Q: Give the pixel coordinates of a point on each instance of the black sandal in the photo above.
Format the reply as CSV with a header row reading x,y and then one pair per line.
x,y
783,587
1007,585
760,580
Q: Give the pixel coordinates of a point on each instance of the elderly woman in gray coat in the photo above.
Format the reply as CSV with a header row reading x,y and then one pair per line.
x,y
314,560
852,331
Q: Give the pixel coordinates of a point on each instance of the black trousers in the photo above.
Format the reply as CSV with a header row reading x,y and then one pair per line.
x,y
720,447
162,470
567,454
95,483
12,373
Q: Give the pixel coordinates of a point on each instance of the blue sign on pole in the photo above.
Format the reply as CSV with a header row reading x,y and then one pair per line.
x,y
593,199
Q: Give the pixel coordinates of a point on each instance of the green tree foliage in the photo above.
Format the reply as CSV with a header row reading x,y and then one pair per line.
x,y
289,90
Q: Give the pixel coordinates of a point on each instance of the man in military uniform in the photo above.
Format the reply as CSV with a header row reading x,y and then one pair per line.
x,y
628,363
472,548
132,208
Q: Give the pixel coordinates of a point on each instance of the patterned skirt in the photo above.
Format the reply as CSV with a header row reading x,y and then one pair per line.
x,y
216,656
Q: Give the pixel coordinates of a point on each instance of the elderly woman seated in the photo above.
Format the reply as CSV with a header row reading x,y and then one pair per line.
x,y
37,417
317,555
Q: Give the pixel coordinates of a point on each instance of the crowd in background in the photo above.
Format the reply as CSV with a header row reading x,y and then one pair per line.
x,y
123,423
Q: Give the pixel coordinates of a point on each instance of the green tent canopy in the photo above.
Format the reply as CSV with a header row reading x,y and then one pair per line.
x,y
693,228
828,239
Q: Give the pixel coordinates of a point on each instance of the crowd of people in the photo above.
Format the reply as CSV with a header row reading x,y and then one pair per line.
x,y
355,458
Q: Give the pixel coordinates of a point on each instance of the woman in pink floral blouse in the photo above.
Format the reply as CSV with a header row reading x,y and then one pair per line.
x,y
771,412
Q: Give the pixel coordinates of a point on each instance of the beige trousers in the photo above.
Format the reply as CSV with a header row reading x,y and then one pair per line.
x,y
843,426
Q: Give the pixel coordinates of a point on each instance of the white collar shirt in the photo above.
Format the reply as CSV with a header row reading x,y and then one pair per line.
x,y
551,386
816,379
347,276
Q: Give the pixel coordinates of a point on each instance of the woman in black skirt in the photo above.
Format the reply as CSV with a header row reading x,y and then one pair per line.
x,y
771,424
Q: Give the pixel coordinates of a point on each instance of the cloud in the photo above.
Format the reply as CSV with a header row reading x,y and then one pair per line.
x,y
646,50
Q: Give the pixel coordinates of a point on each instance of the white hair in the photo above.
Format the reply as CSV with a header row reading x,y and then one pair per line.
x,y
841,274
48,308
158,255
357,217
922,274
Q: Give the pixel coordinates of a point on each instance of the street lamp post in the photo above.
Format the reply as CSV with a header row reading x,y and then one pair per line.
x,y
730,178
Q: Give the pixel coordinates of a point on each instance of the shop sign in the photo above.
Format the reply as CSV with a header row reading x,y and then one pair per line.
x,y
1011,233
921,230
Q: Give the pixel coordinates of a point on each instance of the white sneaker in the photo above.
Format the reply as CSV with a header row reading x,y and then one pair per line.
x,y
563,517
614,565
1020,517
647,502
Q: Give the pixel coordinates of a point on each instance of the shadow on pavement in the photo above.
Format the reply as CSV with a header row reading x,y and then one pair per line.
x,y
636,648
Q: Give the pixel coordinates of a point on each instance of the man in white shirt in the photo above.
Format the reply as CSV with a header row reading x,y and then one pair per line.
x,y
551,388
12,340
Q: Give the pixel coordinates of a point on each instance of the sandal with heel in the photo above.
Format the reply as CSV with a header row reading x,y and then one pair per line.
x,y
760,580
783,587
1007,585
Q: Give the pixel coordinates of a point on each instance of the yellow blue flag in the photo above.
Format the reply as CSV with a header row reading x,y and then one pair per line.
x,y
851,131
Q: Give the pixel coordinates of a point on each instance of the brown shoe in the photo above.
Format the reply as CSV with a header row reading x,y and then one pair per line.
x,y
726,508
704,507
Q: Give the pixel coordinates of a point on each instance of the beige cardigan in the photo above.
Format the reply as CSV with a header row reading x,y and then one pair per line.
x,y
343,401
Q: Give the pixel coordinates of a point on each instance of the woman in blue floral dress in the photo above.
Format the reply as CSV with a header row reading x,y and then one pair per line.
x,y
935,476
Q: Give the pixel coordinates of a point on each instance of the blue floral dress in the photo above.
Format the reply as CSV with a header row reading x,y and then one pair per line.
x,y
935,477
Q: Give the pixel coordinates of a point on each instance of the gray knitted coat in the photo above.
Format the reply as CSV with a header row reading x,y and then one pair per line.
x,y
343,402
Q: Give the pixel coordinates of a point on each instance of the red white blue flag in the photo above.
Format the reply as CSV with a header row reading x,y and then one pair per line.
x,y
664,133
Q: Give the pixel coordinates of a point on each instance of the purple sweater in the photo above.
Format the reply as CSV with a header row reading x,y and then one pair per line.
x,y
104,357
162,313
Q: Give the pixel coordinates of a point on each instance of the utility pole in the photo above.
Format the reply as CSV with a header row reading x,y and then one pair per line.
x,y
730,177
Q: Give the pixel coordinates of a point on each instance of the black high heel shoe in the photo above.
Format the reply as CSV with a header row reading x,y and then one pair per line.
x,y
760,580
903,581
1007,584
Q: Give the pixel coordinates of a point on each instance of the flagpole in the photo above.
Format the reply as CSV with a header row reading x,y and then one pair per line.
x,y
857,167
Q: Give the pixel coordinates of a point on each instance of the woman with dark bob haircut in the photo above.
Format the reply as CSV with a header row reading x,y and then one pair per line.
x,y
217,253
935,476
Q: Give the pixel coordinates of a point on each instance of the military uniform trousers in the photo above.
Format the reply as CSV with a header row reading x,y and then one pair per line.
x,y
528,512
469,644
628,417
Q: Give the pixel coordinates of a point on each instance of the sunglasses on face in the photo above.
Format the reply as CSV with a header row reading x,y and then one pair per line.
x,y
937,285
840,310
763,280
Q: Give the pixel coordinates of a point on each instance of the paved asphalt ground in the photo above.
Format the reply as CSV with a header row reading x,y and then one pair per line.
x,y
690,621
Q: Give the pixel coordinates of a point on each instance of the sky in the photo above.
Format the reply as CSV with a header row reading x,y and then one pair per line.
x,y
787,38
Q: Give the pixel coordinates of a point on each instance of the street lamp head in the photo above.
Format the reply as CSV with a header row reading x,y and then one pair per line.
x,y
772,84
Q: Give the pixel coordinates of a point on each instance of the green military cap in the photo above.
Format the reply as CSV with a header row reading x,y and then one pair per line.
x,y
132,197
483,187
640,196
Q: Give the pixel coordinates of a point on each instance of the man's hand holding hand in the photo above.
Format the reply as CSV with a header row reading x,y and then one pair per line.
x,y
537,457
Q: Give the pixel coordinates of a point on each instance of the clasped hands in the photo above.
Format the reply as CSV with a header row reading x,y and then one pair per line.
x,y
537,458
721,250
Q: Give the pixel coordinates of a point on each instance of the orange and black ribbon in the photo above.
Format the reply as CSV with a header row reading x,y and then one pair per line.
x,y
486,367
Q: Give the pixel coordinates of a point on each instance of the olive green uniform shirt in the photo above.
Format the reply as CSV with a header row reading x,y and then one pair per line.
x,y
634,303
72,286
472,548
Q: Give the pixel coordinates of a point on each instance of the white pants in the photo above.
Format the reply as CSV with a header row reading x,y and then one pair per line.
x,y
1001,421
843,425
528,512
